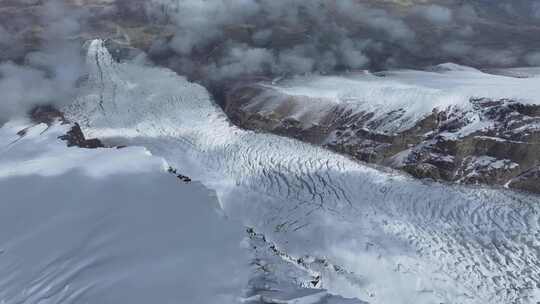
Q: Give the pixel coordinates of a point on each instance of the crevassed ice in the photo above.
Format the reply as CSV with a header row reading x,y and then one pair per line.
x,y
404,240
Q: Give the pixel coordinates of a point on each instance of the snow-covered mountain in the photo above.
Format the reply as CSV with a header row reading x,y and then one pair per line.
x,y
111,225
378,236
108,226
234,151
449,122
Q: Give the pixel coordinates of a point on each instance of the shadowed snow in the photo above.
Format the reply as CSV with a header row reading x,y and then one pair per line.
x,y
108,226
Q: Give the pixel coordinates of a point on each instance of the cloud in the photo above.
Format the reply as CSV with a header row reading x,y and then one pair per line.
x,y
533,58
352,55
217,41
224,39
535,10
214,42
497,57
49,74
456,48
375,19
5,37
22,88
297,60
436,14
242,60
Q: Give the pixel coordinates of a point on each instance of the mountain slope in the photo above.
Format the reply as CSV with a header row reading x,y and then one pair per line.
x,y
450,123
108,226
392,239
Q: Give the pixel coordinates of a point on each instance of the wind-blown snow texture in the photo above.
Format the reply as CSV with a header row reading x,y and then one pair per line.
x,y
108,226
412,94
395,239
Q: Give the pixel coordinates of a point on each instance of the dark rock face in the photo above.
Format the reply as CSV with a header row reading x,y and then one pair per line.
x,y
506,153
75,137
527,181
46,114
181,177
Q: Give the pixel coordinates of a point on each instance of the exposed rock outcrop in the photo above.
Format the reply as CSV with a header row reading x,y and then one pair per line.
x,y
441,146
46,114
183,178
528,180
75,137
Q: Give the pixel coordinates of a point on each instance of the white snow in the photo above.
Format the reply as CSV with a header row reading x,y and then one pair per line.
x,y
40,153
416,93
399,240
491,162
108,226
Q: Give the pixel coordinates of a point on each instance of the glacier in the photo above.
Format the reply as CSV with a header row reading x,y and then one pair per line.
x,y
369,233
